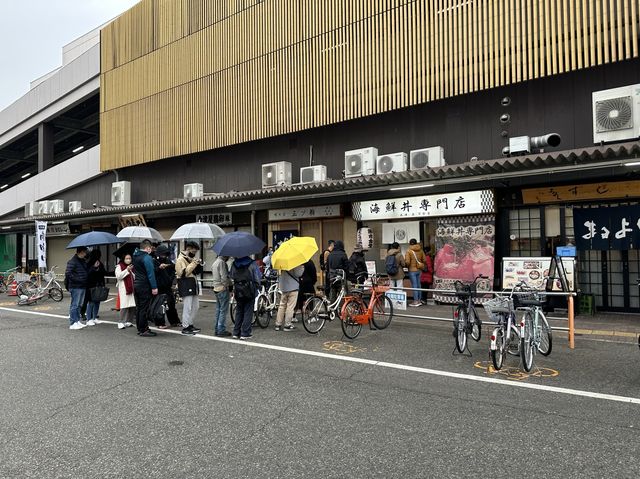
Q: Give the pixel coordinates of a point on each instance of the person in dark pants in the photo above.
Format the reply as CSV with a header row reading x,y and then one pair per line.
x,y
307,282
337,260
165,272
75,281
324,258
246,284
95,277
145,286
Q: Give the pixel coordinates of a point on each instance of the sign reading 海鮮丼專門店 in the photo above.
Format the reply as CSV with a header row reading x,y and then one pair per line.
x,y
446,204
615,228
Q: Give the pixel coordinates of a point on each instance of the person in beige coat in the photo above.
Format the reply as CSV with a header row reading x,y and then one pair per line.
x,y
415,260
188,266
397,279
125,275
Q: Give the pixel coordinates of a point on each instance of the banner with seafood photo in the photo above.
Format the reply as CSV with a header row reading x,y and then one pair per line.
x,y
465,248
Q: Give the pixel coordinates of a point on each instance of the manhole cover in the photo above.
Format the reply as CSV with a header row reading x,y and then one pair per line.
x,y
176,363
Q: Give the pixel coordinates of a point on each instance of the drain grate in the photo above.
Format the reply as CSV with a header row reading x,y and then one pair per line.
x,y
176,363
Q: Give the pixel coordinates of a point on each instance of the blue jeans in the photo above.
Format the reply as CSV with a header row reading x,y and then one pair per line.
x,y
92,310
77,298
243,317
414,276
221,312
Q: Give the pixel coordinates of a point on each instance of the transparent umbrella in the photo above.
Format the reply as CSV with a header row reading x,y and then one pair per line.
x,y
205,231
139,233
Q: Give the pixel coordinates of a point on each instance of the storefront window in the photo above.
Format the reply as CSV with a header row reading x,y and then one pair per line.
x,y
524,232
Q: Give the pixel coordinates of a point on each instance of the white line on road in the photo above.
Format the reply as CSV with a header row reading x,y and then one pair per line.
x,y
383,364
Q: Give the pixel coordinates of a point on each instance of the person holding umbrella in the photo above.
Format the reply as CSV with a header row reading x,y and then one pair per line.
x,y
125,275
75,281
165,272
289,285
188,266
246,284
145,286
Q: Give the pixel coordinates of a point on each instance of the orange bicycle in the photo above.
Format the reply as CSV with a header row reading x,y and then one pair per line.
x,y
378,313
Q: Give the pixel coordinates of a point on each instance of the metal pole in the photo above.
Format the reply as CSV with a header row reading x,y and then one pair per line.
x,y
253,222
571,324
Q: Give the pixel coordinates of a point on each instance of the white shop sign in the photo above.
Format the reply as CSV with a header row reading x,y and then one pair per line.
x,y
285,214
398,298
58,230
533,272
446,204
220,219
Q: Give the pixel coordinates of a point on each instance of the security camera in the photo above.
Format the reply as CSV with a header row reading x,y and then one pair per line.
x,y
506,151
95,205
505,118
506,101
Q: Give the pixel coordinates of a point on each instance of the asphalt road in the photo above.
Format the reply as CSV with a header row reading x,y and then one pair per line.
x,y
102,402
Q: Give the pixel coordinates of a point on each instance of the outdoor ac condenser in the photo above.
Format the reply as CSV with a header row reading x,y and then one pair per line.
x,y
56,207
426,158
121,193
392,163
360,162
313,174
193,190
31,208
75,206
276,174
43,207
616,114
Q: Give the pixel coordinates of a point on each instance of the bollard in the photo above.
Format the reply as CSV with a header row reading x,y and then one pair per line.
x,y
572,344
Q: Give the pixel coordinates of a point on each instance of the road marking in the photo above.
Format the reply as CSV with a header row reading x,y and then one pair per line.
x,y
383,364
516,374
340,347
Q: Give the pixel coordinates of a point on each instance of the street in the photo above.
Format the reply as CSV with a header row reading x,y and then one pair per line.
x,y
103,402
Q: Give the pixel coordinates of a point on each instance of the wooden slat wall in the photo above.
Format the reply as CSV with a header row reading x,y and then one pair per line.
x,y
183,76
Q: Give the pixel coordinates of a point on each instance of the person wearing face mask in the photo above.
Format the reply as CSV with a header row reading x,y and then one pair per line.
x,y
125,276
145,286
188,266
165,273
75,281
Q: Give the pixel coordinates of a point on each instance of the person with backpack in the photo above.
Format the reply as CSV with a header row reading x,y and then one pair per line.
x,y
289,285
415,260
187,268
145,287
307,284
357,272
324,257
336,260
246,284
165,273
394,265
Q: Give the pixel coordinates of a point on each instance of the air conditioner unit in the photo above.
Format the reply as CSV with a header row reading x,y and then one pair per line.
x,y
392,163
193,190
121,193
616,114
276,174
43,207
56,207
360,162
31,208
313,174
75,206
427,158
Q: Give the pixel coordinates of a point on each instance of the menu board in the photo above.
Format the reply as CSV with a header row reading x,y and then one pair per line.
x,y
533,271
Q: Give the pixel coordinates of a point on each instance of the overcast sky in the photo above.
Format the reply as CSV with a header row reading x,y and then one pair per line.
x,y
33,32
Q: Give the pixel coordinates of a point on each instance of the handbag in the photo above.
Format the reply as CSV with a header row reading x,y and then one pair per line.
x,y
99,294
187,286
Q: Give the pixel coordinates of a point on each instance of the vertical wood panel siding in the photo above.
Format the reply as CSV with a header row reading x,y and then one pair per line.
x,y
183,76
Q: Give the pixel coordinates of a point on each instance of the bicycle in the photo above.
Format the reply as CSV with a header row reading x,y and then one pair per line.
x,y
465,318
535,332
317,310
267,302
355,313
6,278
505,337
51,289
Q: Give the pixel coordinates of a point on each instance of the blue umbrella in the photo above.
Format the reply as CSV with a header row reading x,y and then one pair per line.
x,y
238,244
94,238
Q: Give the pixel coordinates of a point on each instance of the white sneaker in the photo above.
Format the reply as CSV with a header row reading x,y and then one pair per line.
x,y
76,325
128,324
121,326
96,321
91,322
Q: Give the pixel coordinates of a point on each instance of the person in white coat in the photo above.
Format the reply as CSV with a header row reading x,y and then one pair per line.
x,y
125,274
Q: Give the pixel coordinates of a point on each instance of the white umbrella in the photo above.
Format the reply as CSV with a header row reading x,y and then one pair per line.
x,y
205,231
140,233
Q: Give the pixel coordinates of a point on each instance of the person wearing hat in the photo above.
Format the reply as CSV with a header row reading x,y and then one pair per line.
x,y
357,273
188,266
165,272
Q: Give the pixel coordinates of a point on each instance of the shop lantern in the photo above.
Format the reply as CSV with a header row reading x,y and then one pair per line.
x,y
364,238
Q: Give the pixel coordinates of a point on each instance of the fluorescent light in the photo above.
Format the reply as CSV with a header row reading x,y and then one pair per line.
x,y
3,187
57,222
26,175
237,204
76,150
415,187
6,227
633,163
133,215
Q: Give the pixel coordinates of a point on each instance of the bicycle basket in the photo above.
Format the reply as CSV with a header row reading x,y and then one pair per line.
x,y
498,305
48,276
463,290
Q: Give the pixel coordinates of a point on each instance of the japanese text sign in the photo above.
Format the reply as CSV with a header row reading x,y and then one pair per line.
x,y
593,191
615,228
220,219
41,238
286,214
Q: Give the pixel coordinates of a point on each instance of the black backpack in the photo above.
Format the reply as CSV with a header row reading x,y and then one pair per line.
x,y
158,307
391,264
244,288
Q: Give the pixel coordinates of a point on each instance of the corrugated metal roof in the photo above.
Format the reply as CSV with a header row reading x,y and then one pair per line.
x,y
525,165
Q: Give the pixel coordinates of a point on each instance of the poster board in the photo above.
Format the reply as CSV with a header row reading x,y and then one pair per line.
x,y
532,271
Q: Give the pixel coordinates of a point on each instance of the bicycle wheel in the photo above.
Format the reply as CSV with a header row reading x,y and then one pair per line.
x,y
382,312
513,347
3,287
262,313
350,327
26,288
476,325
498,354
314,314
546,339
460,328
56,294
526,343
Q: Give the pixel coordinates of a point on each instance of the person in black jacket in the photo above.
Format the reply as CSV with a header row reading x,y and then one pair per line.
x,y
165,272
145,287
337,260
307,282
75,281
357,266
95,277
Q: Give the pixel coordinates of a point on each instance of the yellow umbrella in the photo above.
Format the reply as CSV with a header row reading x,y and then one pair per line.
x,y
294,252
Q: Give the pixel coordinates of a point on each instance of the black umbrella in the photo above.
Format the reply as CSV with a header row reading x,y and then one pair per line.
x,y
125,249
